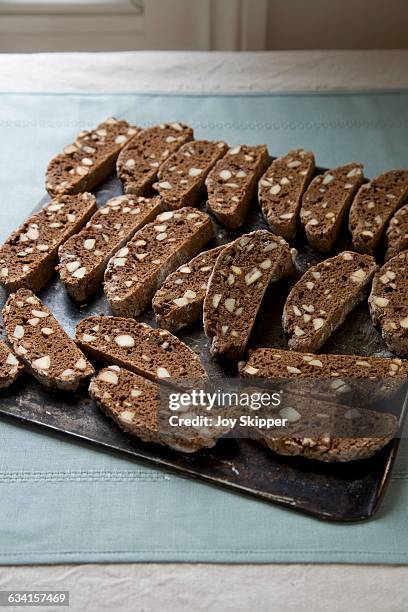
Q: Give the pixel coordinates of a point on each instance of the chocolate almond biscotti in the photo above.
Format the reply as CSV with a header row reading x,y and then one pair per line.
x,y
373,207
152,353
181,179
179,302
281,189
241,275
10,366
325,203
388,303
42,345
136,272
139,162
232,183
396,236
321,300
84,257
90,159
29,255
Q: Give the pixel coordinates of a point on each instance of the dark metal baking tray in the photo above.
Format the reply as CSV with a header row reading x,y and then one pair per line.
x,y
342,492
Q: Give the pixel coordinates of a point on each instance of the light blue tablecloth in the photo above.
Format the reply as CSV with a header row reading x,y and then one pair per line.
x,y
62,502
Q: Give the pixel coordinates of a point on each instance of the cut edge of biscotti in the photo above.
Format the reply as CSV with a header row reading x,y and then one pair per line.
x,y
237,285
10,366
396,236
40,342
321,300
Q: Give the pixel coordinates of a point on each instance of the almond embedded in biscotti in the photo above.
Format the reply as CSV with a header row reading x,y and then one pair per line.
x,y
46,350
281,188
29,255
139,162
388,302
10,366
396,236
324,296
152,353
231,184
325,203
179,302
373,207
237,286
157,249
90,159
84,257
181,179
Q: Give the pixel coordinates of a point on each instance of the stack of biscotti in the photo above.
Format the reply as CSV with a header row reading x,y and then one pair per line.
x,y
152,353
327,431
344,377
396,237
389,302
373,206
232,183
10,366
29,255
181,179
134,403
179,302
139,162
281,189
241,275
84,257
325,203
321,300
41,343
135,273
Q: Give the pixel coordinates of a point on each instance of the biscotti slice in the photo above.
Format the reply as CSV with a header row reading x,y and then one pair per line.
x,y
352,379
326,202
29,255
241,275
10,366
396,236
181,179
388,302
133,402
84,257
328,432
179,302
232,183
373,207
152,353
90,159
41,343
281,189
133,275
320,301
139,162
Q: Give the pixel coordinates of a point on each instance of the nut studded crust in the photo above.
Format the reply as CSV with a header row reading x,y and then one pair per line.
x,y
325,203
90,159
41,343
181,179
139,162
152,353
179,302
10,366
29,255
396,237
241,275
329,432
232,183
388,303
84,257
281,189
373,206
324,296
134,402
134,275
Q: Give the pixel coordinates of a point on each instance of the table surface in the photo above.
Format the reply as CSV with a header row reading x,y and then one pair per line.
x,y
294,586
